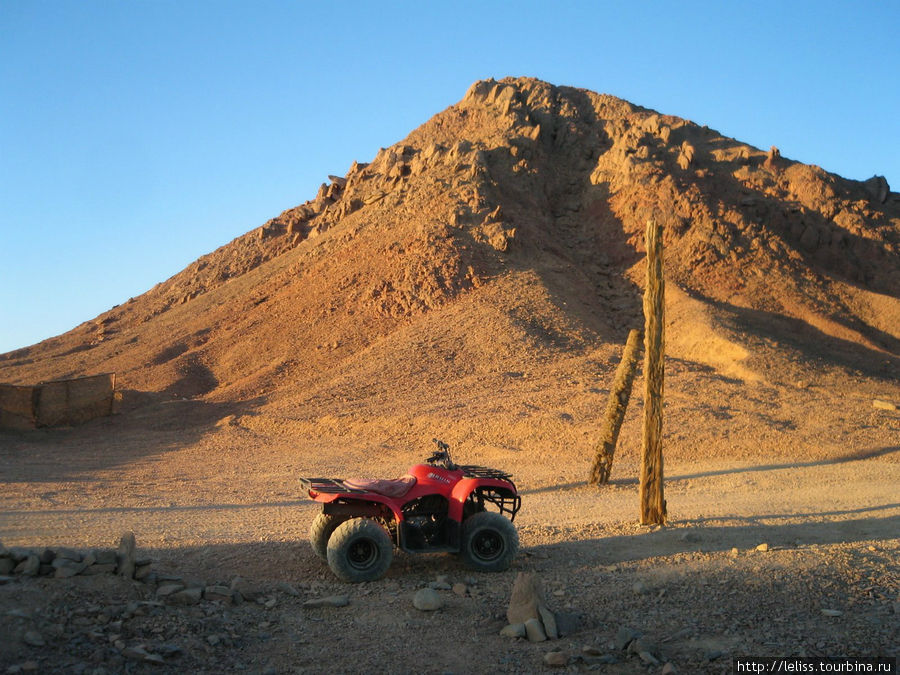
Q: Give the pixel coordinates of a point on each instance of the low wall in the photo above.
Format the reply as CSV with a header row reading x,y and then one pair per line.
x,y
56,403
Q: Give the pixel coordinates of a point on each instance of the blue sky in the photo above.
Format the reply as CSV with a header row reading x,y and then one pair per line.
x,y
137,136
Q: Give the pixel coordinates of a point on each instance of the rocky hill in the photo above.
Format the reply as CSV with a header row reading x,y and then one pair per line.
x,y
504,235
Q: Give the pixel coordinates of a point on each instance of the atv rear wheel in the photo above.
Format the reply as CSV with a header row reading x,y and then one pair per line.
x,y
320,532
360,550
489,542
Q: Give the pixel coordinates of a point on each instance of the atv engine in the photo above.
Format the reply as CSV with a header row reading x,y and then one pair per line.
x,y
426,522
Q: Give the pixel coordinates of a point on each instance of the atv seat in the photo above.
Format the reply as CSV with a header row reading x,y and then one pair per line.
x,y
397,487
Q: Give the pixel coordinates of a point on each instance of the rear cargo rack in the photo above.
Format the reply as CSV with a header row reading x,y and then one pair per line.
x,y
326,485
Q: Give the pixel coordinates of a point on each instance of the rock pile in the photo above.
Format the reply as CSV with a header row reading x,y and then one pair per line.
x,y
64,562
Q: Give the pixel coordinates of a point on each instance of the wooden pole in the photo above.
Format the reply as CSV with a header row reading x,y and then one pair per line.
x,y
615,409
653,504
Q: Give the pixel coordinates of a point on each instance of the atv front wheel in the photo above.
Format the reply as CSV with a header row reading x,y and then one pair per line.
x,y
489,542
360,550
320,532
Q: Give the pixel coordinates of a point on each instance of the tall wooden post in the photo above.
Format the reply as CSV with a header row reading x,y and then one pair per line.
x,y
615,409
653,505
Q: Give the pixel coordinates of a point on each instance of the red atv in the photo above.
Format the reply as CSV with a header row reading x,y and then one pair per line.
x,y
438,507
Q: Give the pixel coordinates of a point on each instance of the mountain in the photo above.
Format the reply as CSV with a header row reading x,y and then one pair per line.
x,y
500,245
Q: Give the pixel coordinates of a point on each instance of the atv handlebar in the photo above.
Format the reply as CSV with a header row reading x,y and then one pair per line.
x,y
442,455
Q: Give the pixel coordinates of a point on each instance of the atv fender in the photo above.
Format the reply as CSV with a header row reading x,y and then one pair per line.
x,y
466,486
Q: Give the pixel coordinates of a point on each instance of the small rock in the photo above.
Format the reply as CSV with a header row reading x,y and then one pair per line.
x,y
104,557
534,630
513,630
734,552
625,636
68,554
189,596
427,600
590,650
648,658
548,619
329,601
714,654
141,572
168,589
218,594
135,653
460,589
556,659
668,669
567,623
763,547
99,569
34,639
439,585
832,612
526,597
639,587
29,566
287,588
213,640
884,405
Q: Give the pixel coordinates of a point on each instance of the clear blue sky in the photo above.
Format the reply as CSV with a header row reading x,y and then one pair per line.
x,y
135,136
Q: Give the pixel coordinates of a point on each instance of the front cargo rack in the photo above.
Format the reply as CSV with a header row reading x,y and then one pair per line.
x,y
327,485
475,471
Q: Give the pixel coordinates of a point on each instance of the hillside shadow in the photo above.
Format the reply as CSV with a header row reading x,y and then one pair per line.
x,y
695,535
821,244
145,425
860,456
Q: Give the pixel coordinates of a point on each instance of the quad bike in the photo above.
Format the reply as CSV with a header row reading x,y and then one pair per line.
x,y
437,507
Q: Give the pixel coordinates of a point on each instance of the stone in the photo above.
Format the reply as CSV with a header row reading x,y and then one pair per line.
x,y
884,405
460,589
33,639
29,567
513,630
548,618
188,596
66,568
125,555
832,612
68,554
772,159
668,669
527,596
104,557
287,588
141,572
534,630
567,623
639,587
99,569
648,658
440,585
427,600
329,601
218,594
878,188
556,659
763,547
168,589
247,590
625,636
